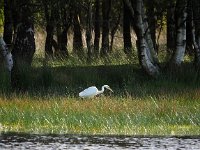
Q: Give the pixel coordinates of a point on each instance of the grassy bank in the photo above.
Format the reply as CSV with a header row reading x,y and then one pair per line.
x,y
168,105
163,115
174,114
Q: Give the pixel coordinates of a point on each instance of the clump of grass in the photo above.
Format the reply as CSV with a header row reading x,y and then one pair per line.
x,y
73,60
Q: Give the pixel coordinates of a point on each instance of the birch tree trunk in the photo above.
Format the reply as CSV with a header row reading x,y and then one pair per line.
x,y
6,54
24,47
147,55
152,54
181,15
152,18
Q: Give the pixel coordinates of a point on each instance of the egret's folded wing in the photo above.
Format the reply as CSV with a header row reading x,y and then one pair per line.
x,y
89,92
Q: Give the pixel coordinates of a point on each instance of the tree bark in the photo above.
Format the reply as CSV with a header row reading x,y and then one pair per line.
x,y
61,50
115,20
8,23
146,52
190,30
77,39
49,40
171,27
64,39
152,18
89,30
113,32
63,20
181,15
6,54
24,46
106,7
126,30
97,28
152,54
145,46
49,16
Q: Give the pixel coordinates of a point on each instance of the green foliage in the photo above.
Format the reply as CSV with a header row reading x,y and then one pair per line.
x,y
1,17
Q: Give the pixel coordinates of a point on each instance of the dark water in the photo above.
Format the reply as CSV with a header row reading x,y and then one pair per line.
x,y
80,142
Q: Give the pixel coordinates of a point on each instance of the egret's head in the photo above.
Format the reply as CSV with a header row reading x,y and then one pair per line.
x,y
107,87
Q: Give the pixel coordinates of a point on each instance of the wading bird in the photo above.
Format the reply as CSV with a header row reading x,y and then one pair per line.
x,y
93,91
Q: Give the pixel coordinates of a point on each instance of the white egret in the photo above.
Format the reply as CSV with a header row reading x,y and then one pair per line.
x,y
93,91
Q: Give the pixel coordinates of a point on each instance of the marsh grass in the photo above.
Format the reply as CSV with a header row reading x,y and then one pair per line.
x,y
140,105
103,115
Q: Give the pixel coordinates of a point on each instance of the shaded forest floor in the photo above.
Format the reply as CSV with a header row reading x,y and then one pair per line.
x,y
61,79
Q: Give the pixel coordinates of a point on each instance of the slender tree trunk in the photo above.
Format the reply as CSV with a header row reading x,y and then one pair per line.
x,y
152,54
89,30
63,23
8,23
77,40
6,54
49,16
106,7
171,27
126,30
63,49
114,30
146,49
152,18
190,30
181,15
64,38
58,30
146,52
24,46
49,40
97,28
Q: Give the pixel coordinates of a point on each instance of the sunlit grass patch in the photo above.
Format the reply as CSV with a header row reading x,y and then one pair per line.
x,y
103,115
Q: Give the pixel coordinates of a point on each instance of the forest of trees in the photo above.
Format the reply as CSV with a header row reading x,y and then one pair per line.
x,y
101,19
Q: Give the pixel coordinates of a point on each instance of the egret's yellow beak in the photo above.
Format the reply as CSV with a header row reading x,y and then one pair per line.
x,y
110,89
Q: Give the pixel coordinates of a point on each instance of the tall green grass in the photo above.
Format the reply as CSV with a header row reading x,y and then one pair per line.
x,y
104,115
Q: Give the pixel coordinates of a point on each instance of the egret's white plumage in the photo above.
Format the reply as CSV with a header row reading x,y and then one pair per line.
x,y
93,91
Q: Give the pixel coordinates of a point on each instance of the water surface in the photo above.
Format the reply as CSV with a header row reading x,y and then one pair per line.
x,y
82,142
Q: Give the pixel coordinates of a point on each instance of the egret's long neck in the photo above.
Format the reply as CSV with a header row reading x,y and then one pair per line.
x,y
102,90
